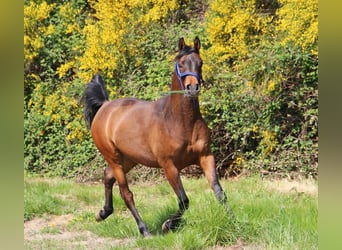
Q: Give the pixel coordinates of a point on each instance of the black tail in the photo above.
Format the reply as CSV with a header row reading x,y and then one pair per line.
x,y
94,96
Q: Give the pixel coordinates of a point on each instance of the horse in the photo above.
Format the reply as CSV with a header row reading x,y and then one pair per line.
x,y
168,133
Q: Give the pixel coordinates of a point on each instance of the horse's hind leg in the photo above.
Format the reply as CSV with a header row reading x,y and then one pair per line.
x,y
109,180
116,172
127,196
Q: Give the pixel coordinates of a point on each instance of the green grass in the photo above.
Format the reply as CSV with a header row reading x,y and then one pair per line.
x,y
265,218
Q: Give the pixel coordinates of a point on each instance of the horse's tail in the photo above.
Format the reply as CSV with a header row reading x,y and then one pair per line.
x,y
94,96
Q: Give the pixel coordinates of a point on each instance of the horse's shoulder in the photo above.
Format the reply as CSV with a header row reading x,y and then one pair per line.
x,y
160,105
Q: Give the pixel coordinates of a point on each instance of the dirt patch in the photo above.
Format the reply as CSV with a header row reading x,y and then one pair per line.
x,y
51,232
240,245
306,186
34,229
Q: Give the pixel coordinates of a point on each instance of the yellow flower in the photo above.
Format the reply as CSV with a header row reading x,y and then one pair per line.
x,y
50,30
229,24
70,28
268,142
64,68
270,86
298,19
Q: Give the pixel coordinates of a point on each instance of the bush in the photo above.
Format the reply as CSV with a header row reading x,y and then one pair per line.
x,y
260,66
266,119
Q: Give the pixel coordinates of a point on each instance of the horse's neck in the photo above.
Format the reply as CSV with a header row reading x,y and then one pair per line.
x,y
191,114
184,110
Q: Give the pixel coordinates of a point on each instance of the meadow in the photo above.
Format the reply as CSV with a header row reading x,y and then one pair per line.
x,y
269,214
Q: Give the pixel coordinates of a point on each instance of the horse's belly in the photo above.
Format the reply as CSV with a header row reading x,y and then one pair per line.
x,y
134,145
139,154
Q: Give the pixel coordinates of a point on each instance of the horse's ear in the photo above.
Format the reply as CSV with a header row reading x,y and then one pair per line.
x,y
97,78
181,44
197,44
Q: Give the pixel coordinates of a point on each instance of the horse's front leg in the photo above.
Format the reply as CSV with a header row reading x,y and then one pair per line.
x,y
172,175
207,163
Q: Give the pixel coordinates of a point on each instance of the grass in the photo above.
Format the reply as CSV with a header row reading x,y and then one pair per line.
x,y
265,218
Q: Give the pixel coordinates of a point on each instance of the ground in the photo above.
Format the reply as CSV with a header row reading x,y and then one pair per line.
x,y
59,237
35,231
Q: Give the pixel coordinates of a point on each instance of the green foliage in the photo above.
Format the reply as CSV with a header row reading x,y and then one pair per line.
x,y
260,65
268,114
263,87
55,141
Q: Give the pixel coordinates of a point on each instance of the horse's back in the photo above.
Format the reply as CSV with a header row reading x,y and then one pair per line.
x,y
120,113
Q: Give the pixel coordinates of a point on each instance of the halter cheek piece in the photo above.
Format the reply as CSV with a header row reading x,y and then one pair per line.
x,y
186,73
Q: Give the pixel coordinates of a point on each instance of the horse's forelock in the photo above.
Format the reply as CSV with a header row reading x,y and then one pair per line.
x,y
187,50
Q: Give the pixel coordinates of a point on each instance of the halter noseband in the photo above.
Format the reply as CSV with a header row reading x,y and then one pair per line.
x,y
186,73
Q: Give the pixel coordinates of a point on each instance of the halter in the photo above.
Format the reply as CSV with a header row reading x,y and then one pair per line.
x,y
186,73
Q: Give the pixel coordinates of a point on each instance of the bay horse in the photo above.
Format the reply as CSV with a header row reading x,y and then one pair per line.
x,y
168,133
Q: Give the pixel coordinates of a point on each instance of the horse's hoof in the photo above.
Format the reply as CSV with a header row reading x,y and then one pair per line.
x,y
167,226
147,234
98,217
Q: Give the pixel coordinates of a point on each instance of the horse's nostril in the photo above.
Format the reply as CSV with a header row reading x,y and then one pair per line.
x,y
194,87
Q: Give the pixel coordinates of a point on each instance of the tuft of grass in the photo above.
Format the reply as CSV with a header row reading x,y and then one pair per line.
x,y
264,218
55,196
39,199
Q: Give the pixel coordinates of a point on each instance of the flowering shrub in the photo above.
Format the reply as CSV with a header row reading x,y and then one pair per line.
x,y
233,31
34,16
268,68
298,20
114,33
53,126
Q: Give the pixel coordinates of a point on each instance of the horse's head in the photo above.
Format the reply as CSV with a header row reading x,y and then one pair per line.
x,y
188,67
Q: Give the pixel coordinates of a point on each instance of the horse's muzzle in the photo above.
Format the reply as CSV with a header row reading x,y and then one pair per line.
x,y
192,90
